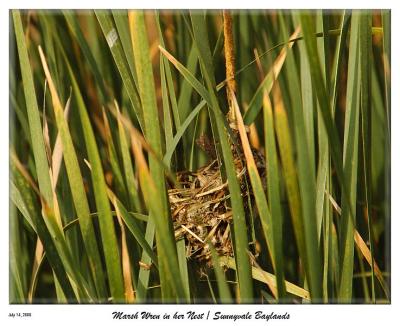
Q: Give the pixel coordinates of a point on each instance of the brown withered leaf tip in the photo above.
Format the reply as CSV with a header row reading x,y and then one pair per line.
x,y
200,207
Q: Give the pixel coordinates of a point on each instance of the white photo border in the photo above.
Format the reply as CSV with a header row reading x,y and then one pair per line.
x,y
102,314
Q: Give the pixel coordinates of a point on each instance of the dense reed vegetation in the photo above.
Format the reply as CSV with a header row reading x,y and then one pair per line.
x,y
199,156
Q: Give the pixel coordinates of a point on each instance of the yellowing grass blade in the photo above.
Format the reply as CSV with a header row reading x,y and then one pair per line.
x,y
57,155
268,278
261,200
76,185
126,264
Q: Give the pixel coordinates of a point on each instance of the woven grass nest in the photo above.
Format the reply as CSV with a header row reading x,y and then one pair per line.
x,y
200,206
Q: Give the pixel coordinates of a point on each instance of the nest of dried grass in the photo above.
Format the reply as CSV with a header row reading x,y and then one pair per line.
x,y
200,206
